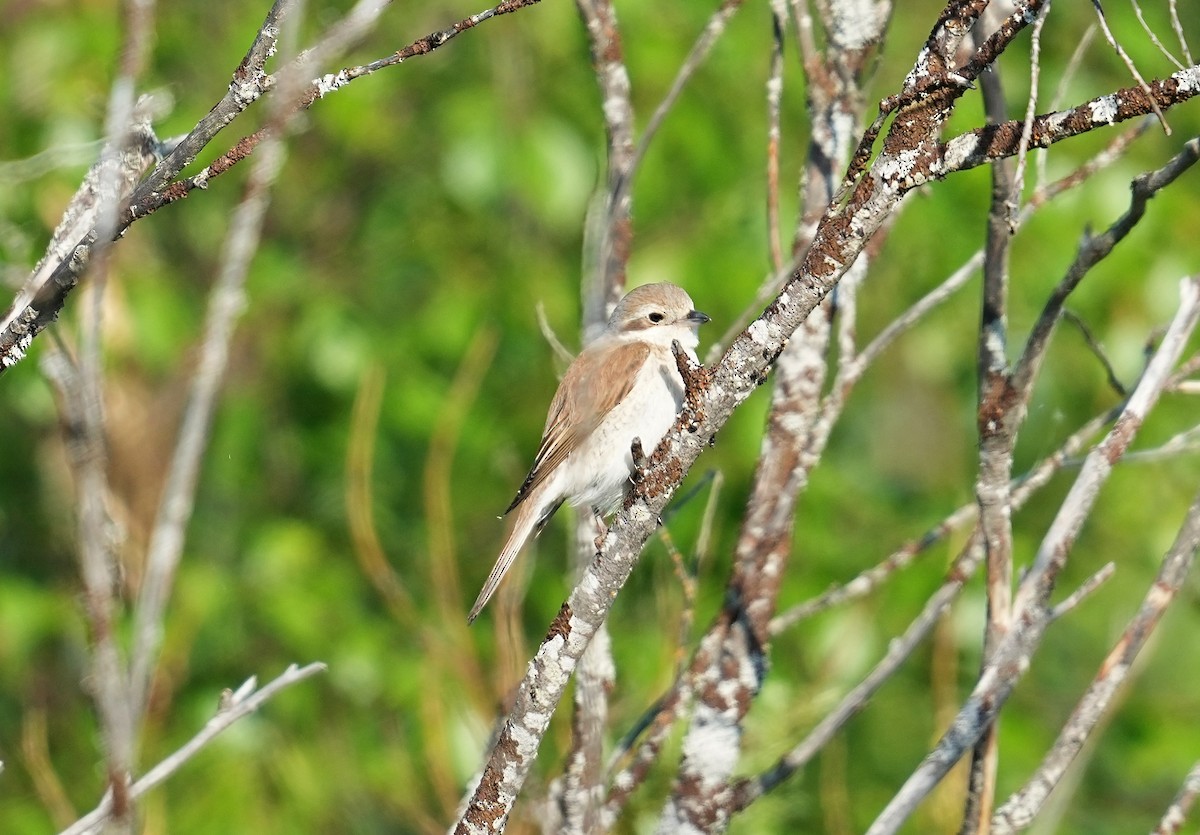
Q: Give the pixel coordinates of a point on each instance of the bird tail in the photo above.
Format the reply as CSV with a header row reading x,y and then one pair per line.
x,y
528,522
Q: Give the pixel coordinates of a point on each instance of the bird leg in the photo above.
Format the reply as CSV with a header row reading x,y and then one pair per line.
x,y
601,528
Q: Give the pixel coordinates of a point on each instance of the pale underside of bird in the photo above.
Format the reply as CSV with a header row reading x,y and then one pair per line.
x,y
622,386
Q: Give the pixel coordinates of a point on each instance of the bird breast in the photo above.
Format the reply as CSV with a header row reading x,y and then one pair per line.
x,y
603,464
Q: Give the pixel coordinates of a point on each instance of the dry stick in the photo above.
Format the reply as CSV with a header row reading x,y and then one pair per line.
x,y
851,372
1092,251
67,258
1180,443
1137,8
581,788
82,388
616,233
1035,69
47,289
1097,350
1124,56
998,423
1185,370
752,788
610,226
119,713
1177,26
1002,411
1065,80
730,664
75,234
234,707
1023,488
658,723
1019,811
983,145
695,59
870,579
1084,591
226,303
1176,814
1031,605
81,411
779,17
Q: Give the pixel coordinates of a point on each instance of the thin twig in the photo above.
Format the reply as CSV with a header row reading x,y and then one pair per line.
x,y
1035,70
1064,82
1177,26
1173,819
1098,350
1137,8
233,707
749,789
779,18
1093,250
1069,603
1124,56
695,59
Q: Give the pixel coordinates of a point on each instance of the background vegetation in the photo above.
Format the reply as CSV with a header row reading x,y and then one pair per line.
x,y
389,375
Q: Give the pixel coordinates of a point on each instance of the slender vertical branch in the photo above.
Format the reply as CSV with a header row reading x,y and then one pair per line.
x,y
998,418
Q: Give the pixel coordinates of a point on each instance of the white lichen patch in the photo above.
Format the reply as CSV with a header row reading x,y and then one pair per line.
x,y
1103,110
759,332
17,352
958,151
1188,80
1056,120
857,23
712,744
330,82
898,168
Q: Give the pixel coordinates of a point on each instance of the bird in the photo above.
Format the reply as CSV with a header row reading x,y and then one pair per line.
x,y
623,385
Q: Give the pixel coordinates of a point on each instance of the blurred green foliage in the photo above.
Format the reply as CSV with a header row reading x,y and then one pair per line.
x,y
422,216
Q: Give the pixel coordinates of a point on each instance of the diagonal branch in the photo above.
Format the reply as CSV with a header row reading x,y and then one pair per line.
x,y
1019,810
1032,612
233,707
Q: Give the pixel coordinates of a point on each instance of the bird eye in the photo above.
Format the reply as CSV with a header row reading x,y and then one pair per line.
x,y
656,317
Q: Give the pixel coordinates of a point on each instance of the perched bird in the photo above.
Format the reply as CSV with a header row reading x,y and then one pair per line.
x,y
622,386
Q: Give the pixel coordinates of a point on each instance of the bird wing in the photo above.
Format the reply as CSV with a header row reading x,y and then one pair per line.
x,y
594,384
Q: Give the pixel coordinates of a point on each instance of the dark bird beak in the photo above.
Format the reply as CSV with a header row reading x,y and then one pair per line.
x,y
698,317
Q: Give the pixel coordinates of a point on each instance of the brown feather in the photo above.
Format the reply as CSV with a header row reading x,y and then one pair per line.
x,y
581,402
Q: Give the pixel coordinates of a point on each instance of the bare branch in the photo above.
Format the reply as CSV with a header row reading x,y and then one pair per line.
x,y
1124,56
1031,606
1019,810
983,145
1069,603
1093,250
1172,820
47,289
233,707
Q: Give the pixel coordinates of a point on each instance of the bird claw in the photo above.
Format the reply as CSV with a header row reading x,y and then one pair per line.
x,y
639,457
602,529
